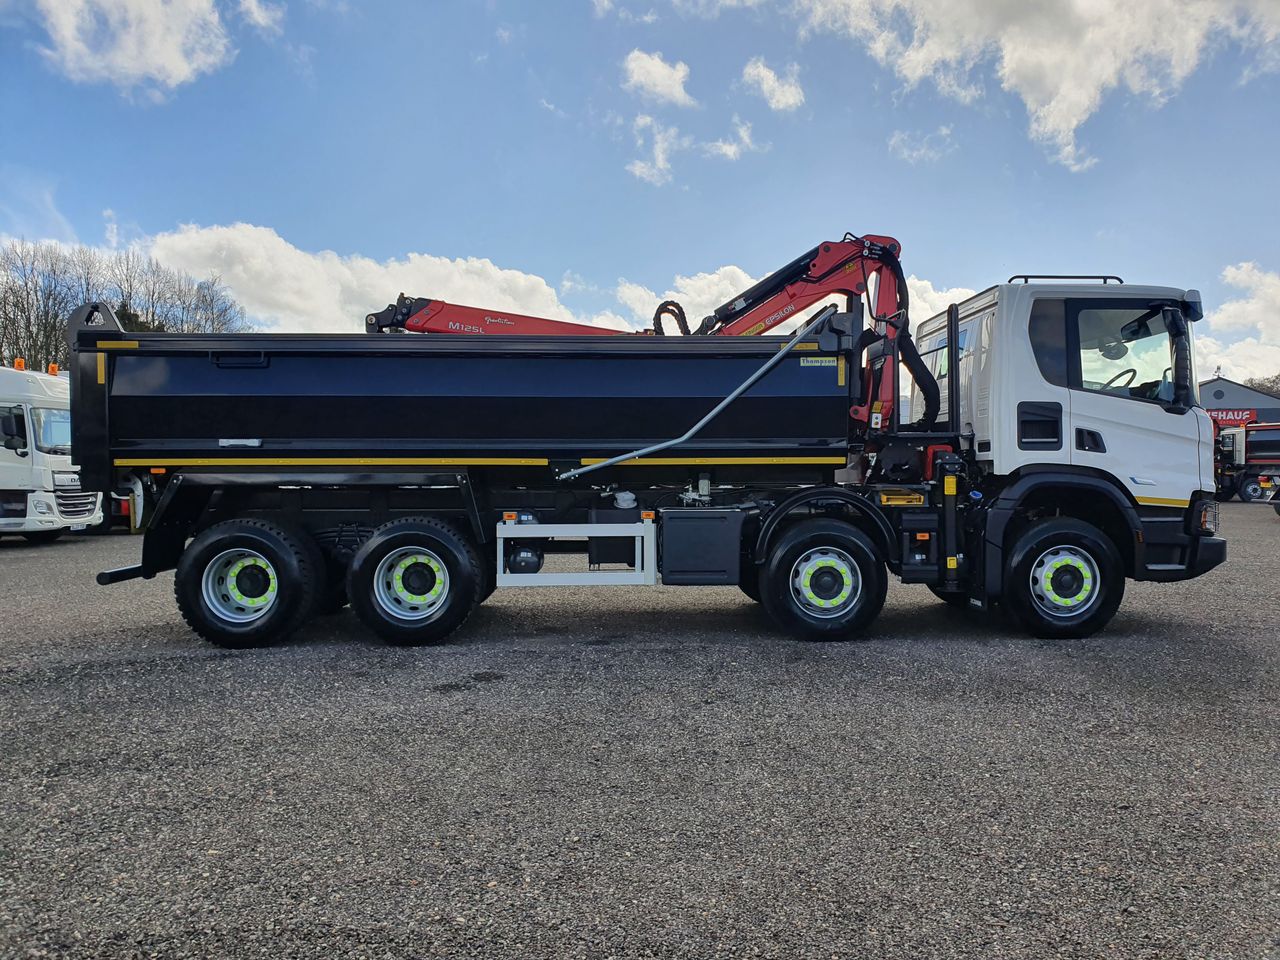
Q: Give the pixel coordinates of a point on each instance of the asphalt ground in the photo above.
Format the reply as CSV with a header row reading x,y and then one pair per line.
x,y
620,772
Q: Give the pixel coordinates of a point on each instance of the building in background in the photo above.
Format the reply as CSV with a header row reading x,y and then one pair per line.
x,y
1233,404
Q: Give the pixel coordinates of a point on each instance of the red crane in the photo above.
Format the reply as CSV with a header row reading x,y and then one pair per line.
x,y
835,268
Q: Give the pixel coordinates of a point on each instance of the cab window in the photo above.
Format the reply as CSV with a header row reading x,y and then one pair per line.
x,y
13,427
1124,351
1048,330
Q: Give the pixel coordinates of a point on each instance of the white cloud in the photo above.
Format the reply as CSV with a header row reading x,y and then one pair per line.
x,y
733,149
650,76
916,148
1256,314
135,43
699,294
711,8
267,17
928,301
781,93
601,7
1061,57
302,291
663,142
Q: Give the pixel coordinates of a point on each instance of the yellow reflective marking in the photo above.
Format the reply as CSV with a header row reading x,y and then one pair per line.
x,y
102,368
331,462
840,372
117,344
1163,501
949,486
952,563
715,461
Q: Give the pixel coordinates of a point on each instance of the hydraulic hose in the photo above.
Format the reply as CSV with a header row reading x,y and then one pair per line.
x,y
673,310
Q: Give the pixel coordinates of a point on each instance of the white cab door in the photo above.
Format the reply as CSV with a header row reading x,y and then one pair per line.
x,y
1122,417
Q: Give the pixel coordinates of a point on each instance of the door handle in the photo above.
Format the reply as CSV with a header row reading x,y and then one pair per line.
x,y
1090,440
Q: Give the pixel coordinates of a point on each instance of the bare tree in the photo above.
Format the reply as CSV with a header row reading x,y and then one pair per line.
x,y
41,284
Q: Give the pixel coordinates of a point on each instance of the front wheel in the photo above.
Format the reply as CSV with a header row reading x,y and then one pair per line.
x,y
415,581
1065,579
824,580
1251,490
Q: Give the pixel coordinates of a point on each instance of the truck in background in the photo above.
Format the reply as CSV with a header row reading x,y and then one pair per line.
x,y
40,493
1247,462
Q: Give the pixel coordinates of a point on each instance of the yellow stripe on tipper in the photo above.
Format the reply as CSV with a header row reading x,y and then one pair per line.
x,y
718,461
102,368
331,462
117,344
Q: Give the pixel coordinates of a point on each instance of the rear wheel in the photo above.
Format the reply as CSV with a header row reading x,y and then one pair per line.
x,y
1251,490
415,581
824,580
1065,579
246,583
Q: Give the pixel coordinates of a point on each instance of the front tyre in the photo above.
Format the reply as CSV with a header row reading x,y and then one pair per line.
x,y
246,583
415,581
1065,579
824,580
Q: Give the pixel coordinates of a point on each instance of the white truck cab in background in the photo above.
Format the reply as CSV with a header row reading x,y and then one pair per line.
x,y
40,495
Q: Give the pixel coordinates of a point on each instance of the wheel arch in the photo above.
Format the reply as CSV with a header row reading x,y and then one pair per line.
x,y
863,513
1079,493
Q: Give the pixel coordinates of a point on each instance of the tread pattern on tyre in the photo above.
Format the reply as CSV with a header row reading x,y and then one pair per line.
x,y
476,571
304,555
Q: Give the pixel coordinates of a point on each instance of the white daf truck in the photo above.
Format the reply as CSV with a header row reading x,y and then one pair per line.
x,y
40,494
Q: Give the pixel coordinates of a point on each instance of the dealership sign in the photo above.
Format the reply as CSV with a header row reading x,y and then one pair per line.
x,y
1233,418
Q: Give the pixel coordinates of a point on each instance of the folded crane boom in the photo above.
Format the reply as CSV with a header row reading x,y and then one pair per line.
x,y
837,268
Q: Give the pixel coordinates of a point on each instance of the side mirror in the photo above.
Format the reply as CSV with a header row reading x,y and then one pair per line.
x,y
13,443
9,427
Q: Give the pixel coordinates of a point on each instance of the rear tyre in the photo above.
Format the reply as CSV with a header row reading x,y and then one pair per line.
x,y
1065,579
246,583
824,580
1251,490
43,536
415,581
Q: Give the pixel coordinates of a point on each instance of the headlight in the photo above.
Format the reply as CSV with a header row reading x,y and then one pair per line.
x,y
42,508
1207,523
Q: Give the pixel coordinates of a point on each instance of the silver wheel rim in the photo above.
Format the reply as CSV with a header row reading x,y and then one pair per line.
x,y
825,582
1065,582
1253,489
240,586
405,570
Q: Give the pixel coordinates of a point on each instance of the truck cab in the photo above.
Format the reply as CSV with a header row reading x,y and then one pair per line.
x,y
40,494
1088,392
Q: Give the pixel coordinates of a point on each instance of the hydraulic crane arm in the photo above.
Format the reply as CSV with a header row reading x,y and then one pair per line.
x,y
835,268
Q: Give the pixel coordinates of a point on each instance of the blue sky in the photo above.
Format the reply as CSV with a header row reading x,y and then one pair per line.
x,y
322,155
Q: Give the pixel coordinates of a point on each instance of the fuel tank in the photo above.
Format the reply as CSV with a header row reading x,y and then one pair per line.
x,y
157,400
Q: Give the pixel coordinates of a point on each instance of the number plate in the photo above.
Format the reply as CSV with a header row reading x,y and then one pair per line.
x,y
79,526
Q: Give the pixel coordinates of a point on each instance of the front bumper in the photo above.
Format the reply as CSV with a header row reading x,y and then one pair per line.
x,y
1171,549
45,512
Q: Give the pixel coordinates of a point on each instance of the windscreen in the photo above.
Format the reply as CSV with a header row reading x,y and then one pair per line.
x,y
52,430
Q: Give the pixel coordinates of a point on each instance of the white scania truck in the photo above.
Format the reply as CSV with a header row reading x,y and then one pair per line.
x,y
40,495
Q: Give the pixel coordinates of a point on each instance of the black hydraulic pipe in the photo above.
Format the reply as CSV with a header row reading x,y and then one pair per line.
x,y
953,368
924,380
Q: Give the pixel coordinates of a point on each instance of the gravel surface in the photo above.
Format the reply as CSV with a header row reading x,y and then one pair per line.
x,y
640,773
